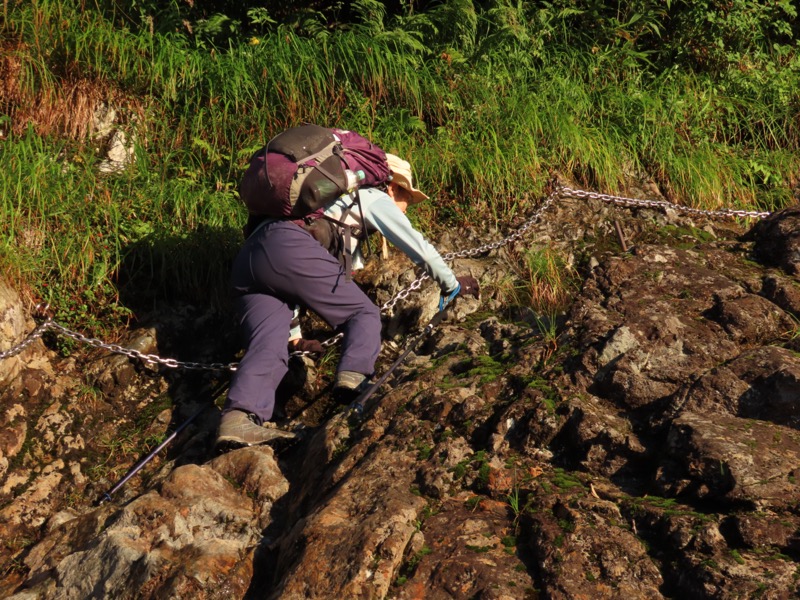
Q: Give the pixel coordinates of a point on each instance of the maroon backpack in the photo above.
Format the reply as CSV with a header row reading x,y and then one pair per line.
x,y
304,169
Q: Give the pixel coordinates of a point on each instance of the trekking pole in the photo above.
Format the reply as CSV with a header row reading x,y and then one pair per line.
x,y
358,406
106,496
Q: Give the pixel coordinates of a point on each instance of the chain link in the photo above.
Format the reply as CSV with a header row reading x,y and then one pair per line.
x,y
560,190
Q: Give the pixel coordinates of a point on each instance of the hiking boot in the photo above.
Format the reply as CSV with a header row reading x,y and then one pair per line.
x,y
349,386
238,429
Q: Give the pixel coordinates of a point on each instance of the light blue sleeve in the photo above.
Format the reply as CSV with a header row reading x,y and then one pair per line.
x,y
383,215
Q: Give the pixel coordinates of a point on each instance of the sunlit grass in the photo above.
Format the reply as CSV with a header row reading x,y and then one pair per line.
x,y
486,117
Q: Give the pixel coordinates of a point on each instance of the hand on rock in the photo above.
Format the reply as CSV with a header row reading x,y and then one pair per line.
x,y
469,286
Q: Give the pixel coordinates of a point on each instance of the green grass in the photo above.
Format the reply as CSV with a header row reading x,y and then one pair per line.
x,y
486,368
566,480
538,278
487,103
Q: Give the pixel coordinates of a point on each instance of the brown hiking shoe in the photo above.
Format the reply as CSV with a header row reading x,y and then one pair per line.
x,y
238,429
348,386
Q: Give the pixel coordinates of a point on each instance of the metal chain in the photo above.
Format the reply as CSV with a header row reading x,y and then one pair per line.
x,y
450,256
622,201
32,337
560,190
48,323
147,358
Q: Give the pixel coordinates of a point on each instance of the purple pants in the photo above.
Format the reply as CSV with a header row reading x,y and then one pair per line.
x,y
279,267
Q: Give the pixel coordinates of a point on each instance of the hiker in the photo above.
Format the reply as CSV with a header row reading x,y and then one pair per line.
x,y
282,266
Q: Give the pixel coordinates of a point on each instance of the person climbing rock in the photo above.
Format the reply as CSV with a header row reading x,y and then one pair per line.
x,y
282,266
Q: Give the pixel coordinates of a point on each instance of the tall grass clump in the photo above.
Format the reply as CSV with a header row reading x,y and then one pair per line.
x,y
78,241
61,232
545,282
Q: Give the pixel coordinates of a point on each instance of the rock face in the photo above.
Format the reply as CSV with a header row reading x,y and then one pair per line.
x,y
13,329
644,444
